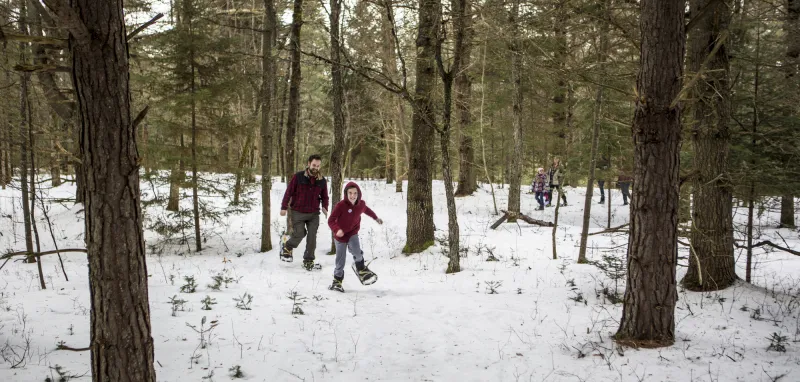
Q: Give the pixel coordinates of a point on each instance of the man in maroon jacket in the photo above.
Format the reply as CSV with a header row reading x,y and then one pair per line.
x,y
305,192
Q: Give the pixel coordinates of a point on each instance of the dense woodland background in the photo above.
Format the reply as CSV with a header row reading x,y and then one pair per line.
x,y
461,91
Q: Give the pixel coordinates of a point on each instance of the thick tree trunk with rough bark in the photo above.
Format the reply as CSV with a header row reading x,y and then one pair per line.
x,y
648,314
121,344
711,264
294,90
267,84
516,78
467,177
419,226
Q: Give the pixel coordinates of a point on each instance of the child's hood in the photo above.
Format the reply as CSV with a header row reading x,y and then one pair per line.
x,y
351,185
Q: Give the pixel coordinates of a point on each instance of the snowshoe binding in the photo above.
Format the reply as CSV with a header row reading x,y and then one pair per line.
x,y
337,286
309,265
366,276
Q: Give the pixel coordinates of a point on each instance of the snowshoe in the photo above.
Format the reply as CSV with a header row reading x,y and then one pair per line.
x,y
310,266
366,276
285,253
337,286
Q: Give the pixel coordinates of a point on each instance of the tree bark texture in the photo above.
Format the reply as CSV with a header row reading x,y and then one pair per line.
x,y
712,263
791,69
293,116
648,315
24,127
121,344
560,96
516,77
419,226
267,83
787,211
467,177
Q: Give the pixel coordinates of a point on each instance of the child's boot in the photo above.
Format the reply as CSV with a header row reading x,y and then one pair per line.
x,y
336,285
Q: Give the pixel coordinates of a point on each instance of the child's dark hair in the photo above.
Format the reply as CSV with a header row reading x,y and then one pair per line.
x,y
314,157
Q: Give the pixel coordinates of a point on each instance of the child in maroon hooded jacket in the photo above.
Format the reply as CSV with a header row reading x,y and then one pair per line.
x,y
345,221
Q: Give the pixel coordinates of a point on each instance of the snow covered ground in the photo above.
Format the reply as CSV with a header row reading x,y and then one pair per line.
x,y
548,320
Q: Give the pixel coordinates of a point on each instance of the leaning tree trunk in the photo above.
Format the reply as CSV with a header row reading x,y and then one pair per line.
x,y
467,177
419,226
711,264
338,149
121,345
267,83
460,15
516,77
294,89
648,313
598,116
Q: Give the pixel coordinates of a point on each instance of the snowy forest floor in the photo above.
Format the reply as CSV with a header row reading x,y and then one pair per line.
x,y
525,317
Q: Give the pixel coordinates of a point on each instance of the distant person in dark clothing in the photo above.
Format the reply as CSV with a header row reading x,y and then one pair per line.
x,y
624,184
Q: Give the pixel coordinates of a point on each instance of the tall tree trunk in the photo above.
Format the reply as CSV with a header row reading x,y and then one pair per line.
x,y
392,116
712,264
24,127
237,188
791,68
419,226
467,178
460,14
399,140
32,143
121,345
198,241
516,77
489,178
338,158
55,157
648,314
282,168
176,179
560,96
294,90
787,211
267,84
598,116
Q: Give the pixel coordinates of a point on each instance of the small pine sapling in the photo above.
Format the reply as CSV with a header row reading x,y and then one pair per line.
x,y
190,286
777,343
219,279
207,302
236,372
297,302
243,302
492,286
178,304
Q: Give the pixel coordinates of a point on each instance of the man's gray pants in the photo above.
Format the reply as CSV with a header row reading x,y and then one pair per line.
x,y
341,255
302,224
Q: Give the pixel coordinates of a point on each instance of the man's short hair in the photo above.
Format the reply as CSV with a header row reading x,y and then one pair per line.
x,y
314,157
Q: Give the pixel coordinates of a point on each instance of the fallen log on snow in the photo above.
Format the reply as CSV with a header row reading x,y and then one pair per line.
x,y
523,217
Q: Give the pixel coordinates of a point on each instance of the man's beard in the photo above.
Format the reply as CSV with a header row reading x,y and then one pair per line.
x,y
313,171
